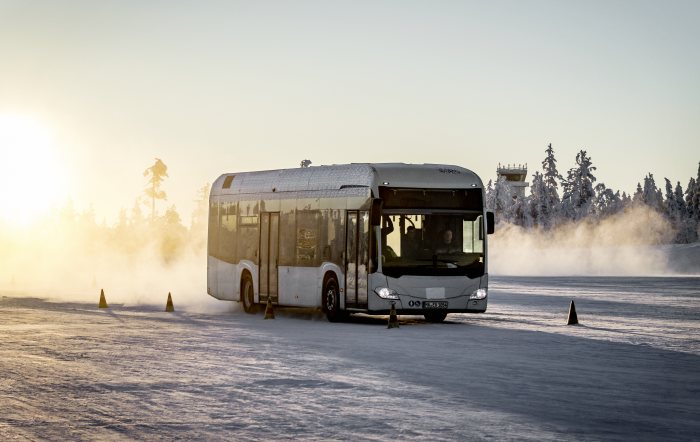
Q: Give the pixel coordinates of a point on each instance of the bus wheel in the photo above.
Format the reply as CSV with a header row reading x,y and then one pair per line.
x,y
435,316
331,300
248,295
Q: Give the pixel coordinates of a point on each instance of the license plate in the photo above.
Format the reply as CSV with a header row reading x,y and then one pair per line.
x,y
435,304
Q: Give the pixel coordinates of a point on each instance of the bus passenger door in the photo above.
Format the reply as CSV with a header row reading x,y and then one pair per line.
x,y
356,258
269,253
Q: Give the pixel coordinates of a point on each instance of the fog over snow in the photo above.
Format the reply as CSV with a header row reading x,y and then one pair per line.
x,y
73,262
630,243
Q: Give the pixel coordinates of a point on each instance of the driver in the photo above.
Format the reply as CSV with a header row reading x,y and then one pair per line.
x,y
411,242
446,245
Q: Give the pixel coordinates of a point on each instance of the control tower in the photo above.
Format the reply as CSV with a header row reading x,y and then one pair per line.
x,y
515,176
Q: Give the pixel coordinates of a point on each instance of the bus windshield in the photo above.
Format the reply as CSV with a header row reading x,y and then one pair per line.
x,y
432,244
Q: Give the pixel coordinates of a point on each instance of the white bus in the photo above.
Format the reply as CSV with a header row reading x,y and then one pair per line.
x,y
354,238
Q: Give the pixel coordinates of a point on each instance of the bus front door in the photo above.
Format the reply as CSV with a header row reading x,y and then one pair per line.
x,y
269,254
356,258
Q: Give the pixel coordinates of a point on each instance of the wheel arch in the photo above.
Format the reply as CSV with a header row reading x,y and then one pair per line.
x,y
330,269
247,267
245,273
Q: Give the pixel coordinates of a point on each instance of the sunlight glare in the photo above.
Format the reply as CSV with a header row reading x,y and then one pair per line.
x,y
31,176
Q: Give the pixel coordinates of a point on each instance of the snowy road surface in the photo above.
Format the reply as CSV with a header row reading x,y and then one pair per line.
x,y
630,371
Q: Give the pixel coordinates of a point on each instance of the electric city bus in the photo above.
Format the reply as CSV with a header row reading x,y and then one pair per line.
x,y
355,238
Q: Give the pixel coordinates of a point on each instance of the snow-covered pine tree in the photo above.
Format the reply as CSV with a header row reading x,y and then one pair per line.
x,y
696,196
537,202
694,208
550,179
689,196
490,196
684,224
638,196
578,188
626,199
650,193
503,200
679,201
675,212
670,201
606,201
518,212
620,201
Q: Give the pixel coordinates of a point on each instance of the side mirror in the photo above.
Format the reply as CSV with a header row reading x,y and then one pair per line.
x,y
376,212
490,223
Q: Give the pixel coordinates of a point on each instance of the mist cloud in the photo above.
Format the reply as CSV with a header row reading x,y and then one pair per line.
x,y
136,266
625,244
140,265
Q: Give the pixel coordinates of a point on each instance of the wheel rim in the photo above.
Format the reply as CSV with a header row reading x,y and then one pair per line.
x,y
330,299
248,295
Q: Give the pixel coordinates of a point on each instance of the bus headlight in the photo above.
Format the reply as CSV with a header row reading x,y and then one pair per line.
x,y
386,293
478,294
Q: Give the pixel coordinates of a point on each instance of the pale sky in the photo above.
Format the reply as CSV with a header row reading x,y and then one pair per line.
x,y
214,87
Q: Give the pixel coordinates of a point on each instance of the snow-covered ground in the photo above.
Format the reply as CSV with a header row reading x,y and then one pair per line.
x,y
630,370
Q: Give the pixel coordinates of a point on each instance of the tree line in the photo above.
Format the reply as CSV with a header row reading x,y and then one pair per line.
x,y
555,199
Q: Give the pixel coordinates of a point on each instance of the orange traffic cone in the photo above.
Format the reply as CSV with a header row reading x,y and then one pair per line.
x,y
573,319
269,312
169,305
393,319
103,301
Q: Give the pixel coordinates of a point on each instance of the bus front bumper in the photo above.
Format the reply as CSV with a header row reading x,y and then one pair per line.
x,y
411,305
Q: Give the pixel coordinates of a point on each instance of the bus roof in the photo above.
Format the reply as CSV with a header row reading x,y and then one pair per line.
x,y
340,176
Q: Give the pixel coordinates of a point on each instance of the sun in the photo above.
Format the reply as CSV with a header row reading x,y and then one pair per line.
x,y
31,178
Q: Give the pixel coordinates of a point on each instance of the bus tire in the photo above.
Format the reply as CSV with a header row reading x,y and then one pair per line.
x,y
248,294
435,317
331,299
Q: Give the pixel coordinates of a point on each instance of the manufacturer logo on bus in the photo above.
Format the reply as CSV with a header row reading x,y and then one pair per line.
x,y
446,170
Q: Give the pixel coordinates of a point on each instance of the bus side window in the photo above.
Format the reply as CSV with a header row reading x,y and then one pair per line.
x,y
335,236
287,236
227,232
214,229
249,231
307,237
324,247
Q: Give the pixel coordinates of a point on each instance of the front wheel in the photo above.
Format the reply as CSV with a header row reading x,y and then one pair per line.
x,y
331,300
435,316
248,295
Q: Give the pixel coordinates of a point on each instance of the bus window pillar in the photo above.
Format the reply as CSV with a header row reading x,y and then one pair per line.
x,y
375,252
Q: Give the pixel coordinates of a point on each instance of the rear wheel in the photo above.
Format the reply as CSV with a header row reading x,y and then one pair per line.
x,y
331,300
435,316
248,295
